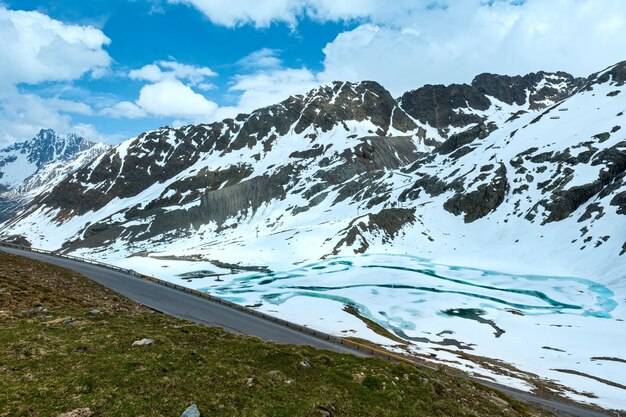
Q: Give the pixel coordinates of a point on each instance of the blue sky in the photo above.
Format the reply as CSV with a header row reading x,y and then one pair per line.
x,y
110,69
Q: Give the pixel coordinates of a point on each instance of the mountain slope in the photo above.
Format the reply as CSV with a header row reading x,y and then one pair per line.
x,y
291,157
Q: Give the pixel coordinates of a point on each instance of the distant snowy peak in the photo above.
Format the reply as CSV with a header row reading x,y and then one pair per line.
x,y
21,160
37,165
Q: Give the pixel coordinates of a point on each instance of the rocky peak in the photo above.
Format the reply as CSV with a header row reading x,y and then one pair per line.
x,y
440,106
459,105
540,89
336,103
36,165
615,74
322,109
48,146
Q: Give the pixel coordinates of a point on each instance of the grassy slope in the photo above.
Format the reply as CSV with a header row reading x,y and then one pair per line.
x,y
47,367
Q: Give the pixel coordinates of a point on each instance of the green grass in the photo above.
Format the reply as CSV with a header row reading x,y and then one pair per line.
x,y
47,368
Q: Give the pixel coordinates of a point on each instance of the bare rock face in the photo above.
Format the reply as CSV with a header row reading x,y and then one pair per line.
x,y
615,75
564,201
437,105
540,88
461,105
485,199
459,140
388,223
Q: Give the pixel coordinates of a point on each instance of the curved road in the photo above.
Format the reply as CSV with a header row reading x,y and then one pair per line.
x,y
191,307
185,305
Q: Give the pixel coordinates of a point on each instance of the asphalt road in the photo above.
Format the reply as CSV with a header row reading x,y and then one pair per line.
x,y
187,306
190,307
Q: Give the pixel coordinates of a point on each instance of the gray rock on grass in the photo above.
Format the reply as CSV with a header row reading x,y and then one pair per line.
x,y
143,342
79,412
191,411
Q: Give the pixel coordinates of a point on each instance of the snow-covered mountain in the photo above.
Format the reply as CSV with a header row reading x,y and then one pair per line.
x,y
29,168
443,215
333,146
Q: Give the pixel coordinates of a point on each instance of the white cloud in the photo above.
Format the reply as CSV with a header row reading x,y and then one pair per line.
x,y
235,13
124,109
262,14
333,10
89,131
172,88
454,44
265,58
406,43
193,73
173,98
36,48
170,70
149,72
22,115
267,87
169,93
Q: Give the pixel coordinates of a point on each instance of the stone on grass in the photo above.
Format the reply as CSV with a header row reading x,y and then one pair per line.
x,y
95,312
34,311
143,342
325,411
191,411
79,412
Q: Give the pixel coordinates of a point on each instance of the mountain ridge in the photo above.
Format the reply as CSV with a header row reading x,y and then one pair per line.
x,y
338,139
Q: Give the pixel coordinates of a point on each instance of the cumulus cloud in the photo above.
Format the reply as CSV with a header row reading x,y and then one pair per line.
x,y
169,93
262,14
406,43
37,49
170,70
172,89
267,87
125,109
579,36
265,58
235,13
22,115
173,98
